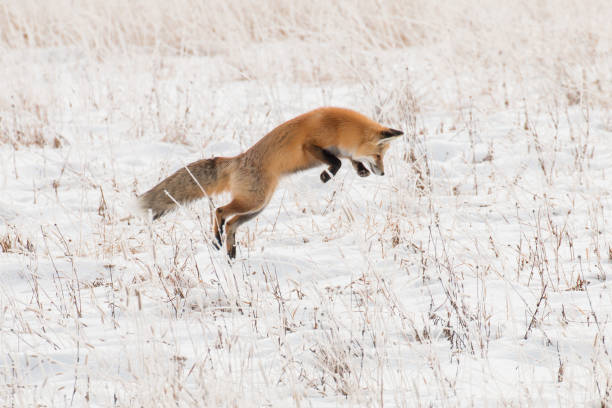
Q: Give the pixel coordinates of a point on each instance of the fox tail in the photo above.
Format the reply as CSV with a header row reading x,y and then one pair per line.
x,y
194,181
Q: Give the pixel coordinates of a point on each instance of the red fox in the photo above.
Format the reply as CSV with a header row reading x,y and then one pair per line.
x,y
312,139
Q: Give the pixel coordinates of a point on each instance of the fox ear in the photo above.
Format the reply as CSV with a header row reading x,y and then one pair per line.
x,y
389,134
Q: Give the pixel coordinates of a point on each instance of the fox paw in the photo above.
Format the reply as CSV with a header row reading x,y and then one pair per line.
x,y
363,172
325,177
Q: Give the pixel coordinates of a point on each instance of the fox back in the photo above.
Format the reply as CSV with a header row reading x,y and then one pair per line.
x,y
343,132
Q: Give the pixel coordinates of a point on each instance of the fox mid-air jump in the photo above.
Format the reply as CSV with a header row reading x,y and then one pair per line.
x,y
312,139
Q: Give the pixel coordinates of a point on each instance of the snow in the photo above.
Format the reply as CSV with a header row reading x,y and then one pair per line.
x,y
474,273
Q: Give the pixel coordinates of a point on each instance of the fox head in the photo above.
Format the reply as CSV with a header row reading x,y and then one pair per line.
x,y
373,151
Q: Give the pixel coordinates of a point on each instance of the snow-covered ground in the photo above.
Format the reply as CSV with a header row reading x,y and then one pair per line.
x,y
475,272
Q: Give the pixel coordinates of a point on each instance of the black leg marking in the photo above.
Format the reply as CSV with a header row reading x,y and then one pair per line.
x,y
333,161
328,158
218,232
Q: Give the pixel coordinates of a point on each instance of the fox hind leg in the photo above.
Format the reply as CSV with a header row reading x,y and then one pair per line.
x,y
232,226
222,214
246,208
218,224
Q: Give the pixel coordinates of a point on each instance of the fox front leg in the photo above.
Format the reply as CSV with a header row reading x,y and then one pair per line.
x,y
326,157
360,168
325,177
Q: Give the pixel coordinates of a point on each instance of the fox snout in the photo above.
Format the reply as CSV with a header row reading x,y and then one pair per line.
x,y
376,165
379,171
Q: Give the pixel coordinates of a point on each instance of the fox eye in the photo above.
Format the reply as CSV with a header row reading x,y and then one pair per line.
x,y
378,157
